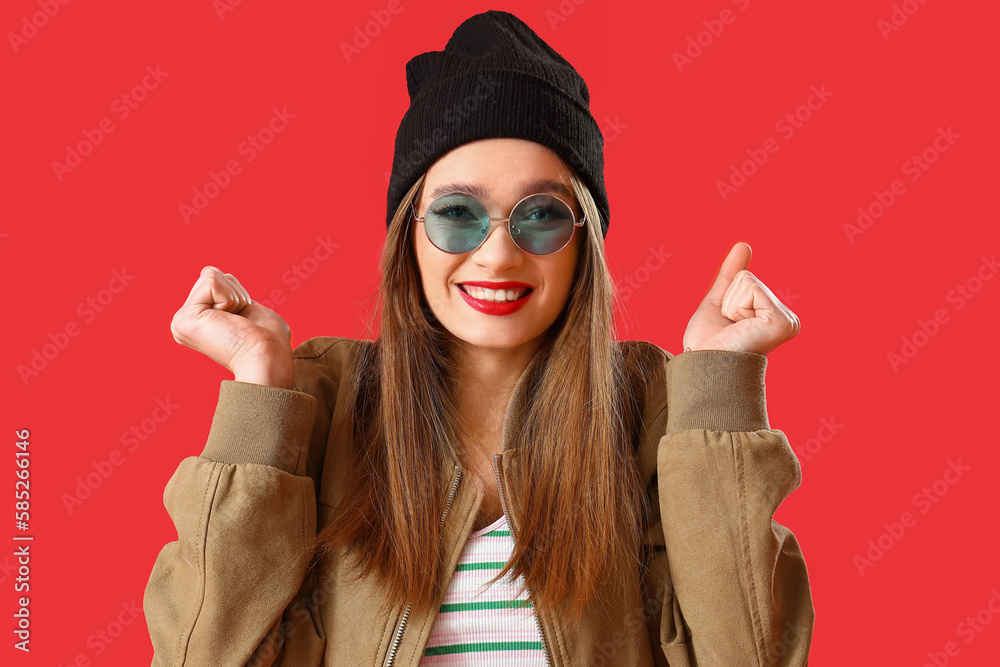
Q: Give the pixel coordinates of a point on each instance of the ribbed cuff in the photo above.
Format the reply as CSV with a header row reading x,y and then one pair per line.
x,y
716,390
256,423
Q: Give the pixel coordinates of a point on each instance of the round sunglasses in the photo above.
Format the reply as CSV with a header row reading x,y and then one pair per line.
x,y
539,224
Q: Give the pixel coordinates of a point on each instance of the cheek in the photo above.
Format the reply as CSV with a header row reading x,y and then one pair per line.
x,y
568,267
425,261
435,267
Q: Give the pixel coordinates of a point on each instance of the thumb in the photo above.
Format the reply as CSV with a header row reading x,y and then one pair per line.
x,y
737,260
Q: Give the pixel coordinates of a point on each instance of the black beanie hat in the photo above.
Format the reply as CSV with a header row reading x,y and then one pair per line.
x,y
496,78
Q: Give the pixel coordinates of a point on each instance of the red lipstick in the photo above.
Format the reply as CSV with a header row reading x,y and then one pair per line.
x,y
495,308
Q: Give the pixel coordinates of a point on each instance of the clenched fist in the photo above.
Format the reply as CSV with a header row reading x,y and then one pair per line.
x,y
740,313
220,320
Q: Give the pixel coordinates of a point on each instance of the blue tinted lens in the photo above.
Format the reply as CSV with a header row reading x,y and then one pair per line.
x,y
541,224
456,223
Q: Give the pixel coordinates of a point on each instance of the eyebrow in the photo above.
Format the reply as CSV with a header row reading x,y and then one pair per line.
x,y
482,194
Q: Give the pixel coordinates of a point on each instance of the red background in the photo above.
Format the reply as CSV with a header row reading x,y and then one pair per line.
x,y
671,136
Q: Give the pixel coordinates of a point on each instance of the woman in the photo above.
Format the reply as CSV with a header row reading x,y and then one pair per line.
x,y
493,479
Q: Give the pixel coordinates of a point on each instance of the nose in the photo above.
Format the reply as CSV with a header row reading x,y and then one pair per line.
x,y
498,252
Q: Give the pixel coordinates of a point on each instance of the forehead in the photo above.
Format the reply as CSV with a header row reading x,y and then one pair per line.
x,y
498,170
485,193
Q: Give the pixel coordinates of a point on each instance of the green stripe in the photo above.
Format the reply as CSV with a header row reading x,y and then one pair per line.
x,y
462,567
497,533
491,604
483,647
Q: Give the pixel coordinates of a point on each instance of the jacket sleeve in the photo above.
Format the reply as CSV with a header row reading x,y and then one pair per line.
x,y
235,589
737,588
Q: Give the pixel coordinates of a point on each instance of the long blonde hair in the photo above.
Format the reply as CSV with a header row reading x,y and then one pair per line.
x,y
582,516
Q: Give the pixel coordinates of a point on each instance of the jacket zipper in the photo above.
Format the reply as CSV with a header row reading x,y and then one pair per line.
x,y
503,505
391,656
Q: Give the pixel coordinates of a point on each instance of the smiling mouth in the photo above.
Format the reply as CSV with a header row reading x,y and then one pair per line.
x,y
495,296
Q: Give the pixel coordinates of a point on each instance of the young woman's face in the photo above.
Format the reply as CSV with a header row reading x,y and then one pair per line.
x,y
502,169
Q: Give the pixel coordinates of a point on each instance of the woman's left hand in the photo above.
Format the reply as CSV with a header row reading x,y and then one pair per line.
x,y
740,313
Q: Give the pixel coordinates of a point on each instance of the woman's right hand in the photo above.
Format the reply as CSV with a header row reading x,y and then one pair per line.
x,y
220,320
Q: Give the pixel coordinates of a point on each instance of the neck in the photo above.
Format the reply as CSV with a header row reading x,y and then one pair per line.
x,y
485,382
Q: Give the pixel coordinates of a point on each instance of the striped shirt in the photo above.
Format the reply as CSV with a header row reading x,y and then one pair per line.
x,y
491,626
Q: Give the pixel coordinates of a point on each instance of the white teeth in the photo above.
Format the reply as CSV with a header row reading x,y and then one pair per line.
x,y
495,296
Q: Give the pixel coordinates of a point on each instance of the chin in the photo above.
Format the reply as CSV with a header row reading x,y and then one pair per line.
x,y
492,337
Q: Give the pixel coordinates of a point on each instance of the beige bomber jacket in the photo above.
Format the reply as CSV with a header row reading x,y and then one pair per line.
x,y
722,583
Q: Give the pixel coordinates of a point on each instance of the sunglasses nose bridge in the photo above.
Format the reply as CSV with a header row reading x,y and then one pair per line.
x,y
493,224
